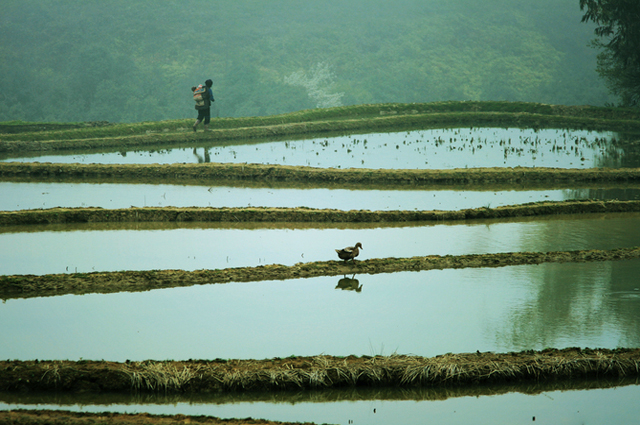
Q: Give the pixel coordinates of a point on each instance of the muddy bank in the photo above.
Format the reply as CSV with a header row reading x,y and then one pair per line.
x,y
216,172
304,215
619,182
54,417
317,372
26,286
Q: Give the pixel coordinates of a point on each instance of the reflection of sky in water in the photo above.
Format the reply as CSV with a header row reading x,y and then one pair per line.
x,y
22,196
613,406
423,313
217,246
423,149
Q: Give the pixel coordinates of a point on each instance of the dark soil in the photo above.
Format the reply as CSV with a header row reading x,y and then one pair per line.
x,y
54,417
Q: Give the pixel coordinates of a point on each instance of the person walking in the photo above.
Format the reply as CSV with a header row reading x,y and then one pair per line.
x,y
204,111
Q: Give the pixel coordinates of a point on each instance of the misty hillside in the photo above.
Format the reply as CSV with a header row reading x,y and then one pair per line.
x,y
136,60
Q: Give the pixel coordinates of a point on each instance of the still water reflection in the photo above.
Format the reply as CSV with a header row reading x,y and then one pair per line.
x,y
614,406
422,149
423,313
193,246
21,196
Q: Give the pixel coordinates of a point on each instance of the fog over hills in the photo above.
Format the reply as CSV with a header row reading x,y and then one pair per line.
x,y
131,61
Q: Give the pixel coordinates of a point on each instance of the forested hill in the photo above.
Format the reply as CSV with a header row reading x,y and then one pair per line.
x,y
136,60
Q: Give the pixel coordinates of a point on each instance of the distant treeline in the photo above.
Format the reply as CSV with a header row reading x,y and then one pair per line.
x,y
132,61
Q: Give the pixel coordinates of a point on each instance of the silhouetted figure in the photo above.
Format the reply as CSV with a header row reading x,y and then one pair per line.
x,y
204,108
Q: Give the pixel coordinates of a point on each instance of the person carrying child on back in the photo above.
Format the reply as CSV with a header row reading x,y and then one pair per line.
x,y
203,96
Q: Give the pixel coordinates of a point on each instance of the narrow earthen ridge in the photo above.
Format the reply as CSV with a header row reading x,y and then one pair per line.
x,y
317,372
57,417
303,215
26,286
387,120
214,172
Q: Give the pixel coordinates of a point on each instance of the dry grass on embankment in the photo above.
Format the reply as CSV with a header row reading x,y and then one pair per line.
x,y
317,372
174,382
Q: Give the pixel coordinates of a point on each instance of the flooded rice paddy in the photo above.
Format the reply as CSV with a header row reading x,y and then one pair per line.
x,y
89,247
421,149
421,313
614,406
23,196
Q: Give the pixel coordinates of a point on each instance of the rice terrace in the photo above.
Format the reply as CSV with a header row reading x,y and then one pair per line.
x,y
512,251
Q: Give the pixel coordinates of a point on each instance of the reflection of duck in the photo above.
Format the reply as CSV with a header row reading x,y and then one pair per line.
x,y
349,284
349,253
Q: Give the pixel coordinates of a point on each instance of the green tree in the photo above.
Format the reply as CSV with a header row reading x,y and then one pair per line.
x,y
618,35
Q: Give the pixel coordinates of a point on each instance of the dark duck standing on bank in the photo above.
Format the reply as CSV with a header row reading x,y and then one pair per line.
x,y
349,253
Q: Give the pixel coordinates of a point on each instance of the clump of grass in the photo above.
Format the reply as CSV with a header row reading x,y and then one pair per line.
x,y
51,373
160,376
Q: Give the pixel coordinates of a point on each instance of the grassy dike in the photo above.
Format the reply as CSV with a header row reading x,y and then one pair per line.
x,y
318,372
303,215
56,417
27,286
362,118
218,173
24,286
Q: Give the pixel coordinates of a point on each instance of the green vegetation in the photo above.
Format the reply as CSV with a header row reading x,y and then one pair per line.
x,y
122,61
618,35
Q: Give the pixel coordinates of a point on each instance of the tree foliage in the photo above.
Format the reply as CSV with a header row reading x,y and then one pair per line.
x,y
136,60
618,33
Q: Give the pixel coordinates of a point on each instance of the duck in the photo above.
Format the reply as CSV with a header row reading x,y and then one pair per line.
x,y
349,253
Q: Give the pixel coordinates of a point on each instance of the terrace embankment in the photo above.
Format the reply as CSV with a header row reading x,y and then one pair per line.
x,y
304,215
319,372
56,417
25,286
360,118
229,172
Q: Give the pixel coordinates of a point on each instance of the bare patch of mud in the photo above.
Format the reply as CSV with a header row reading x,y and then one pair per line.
x,y
26,286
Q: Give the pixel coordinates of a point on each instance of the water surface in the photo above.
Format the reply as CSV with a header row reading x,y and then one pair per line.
x,y
421,149
22,196
614,406
423,313
192,246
